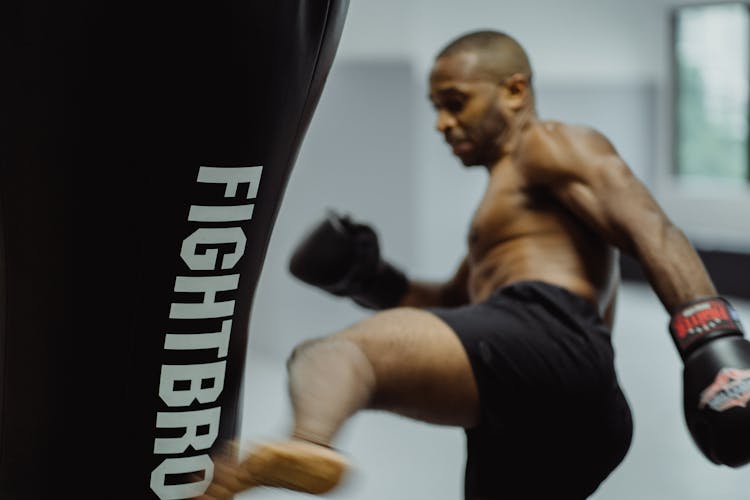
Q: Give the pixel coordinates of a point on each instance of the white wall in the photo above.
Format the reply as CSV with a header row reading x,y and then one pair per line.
x,y
357,159
570,40
607,42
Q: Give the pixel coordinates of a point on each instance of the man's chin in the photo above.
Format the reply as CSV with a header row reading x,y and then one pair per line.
x,y
469,161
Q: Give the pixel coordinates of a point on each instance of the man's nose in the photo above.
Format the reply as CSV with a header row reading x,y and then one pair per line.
x,y
445,121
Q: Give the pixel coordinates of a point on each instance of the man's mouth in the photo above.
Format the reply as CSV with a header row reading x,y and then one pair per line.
x,y
460,147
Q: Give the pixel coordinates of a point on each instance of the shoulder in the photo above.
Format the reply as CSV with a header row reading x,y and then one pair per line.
x,y
558,134
549,150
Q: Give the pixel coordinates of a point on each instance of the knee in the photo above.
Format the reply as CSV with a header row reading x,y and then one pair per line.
x,y
302,349
345,353
338,344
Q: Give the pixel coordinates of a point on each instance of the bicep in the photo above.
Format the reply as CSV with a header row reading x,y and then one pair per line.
x,y
593,182
606,195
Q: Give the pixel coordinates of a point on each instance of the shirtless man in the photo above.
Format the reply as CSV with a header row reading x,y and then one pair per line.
x,y
516,347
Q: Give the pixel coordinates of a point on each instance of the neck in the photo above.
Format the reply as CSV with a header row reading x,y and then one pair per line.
x,y
507,142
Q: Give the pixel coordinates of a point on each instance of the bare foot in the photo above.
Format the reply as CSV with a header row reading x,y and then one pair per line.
x,y
294,465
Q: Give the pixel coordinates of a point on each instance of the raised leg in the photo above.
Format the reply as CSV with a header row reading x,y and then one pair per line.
x,y
405,361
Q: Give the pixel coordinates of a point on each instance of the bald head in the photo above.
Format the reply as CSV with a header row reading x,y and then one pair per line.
x,y
498,56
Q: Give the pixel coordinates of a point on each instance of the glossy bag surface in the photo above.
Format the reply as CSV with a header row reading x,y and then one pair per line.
x,y
144,153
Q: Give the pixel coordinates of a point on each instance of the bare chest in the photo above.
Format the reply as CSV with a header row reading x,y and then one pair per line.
x,y
508,209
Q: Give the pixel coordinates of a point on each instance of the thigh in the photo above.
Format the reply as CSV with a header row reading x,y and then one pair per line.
x,y
422,370
574,455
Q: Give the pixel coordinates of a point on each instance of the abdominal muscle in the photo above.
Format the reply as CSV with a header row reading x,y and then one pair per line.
x,y
586,268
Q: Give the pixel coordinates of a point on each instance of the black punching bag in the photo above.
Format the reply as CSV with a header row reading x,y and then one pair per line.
x,y
144,152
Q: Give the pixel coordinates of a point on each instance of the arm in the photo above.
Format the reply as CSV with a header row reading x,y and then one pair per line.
x,y
588,177
343,257
454,292
585,173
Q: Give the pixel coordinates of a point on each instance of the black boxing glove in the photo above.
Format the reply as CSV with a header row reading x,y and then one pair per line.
x,y
343,258
716,379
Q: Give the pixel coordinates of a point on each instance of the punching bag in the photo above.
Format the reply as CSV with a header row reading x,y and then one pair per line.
x,y
144,152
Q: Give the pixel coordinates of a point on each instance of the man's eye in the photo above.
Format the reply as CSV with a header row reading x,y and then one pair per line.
x,y
454,105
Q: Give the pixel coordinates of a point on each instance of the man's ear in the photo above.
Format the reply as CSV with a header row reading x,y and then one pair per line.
x,y
515,91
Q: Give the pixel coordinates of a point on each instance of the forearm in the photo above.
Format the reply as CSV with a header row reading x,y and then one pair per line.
x,y
672,265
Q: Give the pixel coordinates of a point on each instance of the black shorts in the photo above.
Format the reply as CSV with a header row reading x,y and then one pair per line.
x,y
554,422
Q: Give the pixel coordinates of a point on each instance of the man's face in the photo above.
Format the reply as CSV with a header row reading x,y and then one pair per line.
x,y
469,113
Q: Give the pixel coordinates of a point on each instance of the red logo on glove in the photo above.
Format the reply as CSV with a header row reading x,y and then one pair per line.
x,y
702,319
730,389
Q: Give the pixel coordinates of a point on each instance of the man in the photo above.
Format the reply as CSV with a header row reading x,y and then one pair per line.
x,y
515,348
